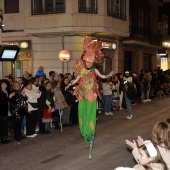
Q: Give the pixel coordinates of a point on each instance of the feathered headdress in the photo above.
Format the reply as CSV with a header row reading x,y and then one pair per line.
x,y
92,50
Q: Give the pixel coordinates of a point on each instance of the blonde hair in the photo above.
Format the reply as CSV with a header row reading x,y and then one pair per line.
x,y
14,84
161,134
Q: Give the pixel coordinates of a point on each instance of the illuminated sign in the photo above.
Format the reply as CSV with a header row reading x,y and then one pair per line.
x,y
108,45
23,45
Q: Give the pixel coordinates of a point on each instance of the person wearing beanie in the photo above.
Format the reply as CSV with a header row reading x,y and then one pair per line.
x,y
40,72
130,93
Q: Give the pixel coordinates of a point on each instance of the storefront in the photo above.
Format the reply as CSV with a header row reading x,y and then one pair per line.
x,y
23,61
108,49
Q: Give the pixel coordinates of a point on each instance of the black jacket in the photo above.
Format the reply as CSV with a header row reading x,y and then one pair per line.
x,y
16,106
3,104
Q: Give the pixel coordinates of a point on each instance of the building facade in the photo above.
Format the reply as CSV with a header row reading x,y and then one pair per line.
x,y
53,25
42,28
141,47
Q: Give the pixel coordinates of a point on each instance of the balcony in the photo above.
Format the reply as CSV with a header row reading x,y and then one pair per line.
x,y
142,32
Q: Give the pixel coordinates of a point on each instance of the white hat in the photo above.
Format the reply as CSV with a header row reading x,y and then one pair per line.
x,y
126,72
124,168
151,148
129,79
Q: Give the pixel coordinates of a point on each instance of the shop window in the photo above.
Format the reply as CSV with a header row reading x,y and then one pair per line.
x,y
11,6
164,63
116,9
47,6
6,68
88,6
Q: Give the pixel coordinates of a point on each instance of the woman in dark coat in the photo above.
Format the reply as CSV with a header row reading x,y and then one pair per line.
x,y
18,108
4,109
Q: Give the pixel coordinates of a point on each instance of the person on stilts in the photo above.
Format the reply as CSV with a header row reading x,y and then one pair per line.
x,y
87,89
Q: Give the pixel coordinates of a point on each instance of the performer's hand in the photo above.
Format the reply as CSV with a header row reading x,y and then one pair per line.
x,y
111,73
133,144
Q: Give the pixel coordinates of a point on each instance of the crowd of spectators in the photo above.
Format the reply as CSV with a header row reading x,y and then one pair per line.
x,y
38,103
150,84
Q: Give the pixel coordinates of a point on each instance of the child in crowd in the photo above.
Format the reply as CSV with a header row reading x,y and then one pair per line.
x,y
160,138
147,156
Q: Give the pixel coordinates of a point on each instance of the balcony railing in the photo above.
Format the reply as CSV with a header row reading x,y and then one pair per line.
x,y
142,32
116,15
88,10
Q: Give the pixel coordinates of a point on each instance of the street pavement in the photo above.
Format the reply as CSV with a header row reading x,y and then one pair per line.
x,y
66,151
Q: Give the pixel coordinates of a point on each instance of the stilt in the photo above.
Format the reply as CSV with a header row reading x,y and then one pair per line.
x,y
90,150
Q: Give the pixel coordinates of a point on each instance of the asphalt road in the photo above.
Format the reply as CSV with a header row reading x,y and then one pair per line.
x,y
66,151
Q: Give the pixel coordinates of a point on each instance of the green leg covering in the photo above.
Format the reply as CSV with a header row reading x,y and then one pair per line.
x,y
91,147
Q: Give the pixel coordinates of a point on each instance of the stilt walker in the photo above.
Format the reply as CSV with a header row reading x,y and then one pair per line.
x,y
87,89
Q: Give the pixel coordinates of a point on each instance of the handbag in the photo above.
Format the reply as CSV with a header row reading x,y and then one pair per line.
x,y
24,105
47,114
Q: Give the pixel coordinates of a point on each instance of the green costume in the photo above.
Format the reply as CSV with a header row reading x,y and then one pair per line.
x,y
87,121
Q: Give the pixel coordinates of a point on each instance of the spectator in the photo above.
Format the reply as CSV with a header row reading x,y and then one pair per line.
x,y
4,111
69,100
147,155
21,82
121,87
115,93
107,96
40,72
31,115
126,75
50,75
59,103
18,109
160,138
26,77
54,79
129,91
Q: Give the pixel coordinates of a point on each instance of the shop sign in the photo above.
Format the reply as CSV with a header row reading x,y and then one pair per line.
x,y
23,45
108,45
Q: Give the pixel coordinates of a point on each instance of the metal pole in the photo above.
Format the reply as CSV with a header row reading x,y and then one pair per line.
x,y
63,49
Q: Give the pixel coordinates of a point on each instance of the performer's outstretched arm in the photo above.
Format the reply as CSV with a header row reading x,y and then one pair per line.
x,y
104,76
72,82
